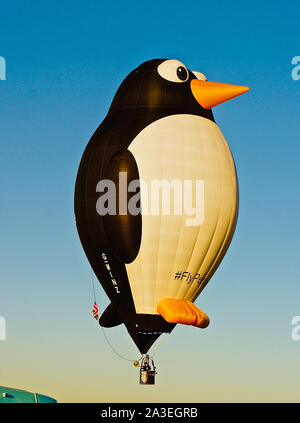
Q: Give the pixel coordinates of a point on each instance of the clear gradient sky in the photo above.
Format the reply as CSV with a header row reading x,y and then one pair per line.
x,y
65,61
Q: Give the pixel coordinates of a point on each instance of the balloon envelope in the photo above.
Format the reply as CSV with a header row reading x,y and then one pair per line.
x,y
156,199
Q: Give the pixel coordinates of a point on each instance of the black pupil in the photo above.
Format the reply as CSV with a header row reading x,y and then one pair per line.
x,y
182,73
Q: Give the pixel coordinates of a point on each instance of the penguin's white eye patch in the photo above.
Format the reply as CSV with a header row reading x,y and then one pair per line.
x,y
200,76
173,71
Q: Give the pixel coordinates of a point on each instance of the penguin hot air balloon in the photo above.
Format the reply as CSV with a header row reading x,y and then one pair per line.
x,y
156,198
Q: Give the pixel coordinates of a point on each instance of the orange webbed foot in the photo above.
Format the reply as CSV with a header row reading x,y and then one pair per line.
x,y
174,310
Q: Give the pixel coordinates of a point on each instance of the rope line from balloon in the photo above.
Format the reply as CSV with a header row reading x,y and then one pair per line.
x,y
114,350
107,340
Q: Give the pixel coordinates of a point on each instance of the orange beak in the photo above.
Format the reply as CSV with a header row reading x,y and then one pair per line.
x,y
210,94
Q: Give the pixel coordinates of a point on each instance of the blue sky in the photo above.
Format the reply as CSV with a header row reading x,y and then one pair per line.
x,y
64,64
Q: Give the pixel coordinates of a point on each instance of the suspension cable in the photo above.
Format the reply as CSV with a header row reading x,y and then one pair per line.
x,y
107,340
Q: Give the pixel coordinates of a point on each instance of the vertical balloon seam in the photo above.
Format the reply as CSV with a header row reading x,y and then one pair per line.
x,y
140,257
227,237
197,291
217,223
221,249
179,286
167,285
198,236
169,290
159,240
186,161
177,251
213,267
88,229
221,244
141,281
154,248
220,206
136,283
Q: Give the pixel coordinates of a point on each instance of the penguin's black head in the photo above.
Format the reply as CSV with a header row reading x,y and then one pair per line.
x,y
168,85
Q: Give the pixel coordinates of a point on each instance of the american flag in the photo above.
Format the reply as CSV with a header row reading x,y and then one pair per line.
x,y
95,311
